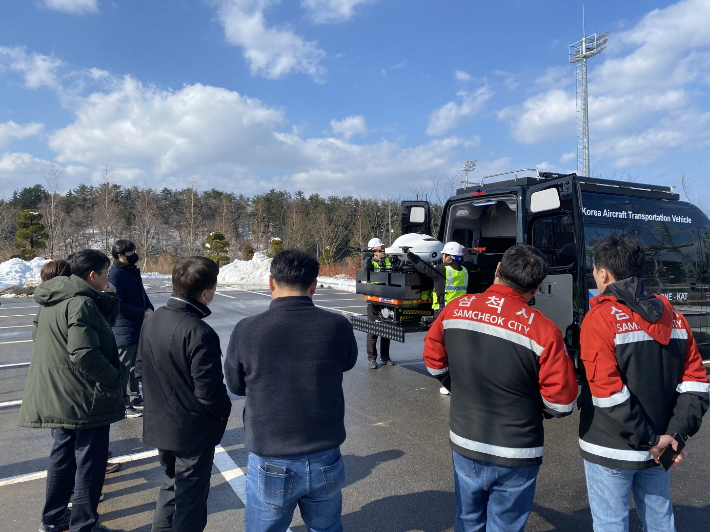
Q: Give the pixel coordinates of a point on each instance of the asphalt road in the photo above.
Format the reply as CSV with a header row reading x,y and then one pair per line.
x,y
398,463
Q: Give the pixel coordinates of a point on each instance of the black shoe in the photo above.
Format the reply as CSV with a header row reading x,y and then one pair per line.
x,y
373,364
132,412
137,404
387,361
59,526
98,527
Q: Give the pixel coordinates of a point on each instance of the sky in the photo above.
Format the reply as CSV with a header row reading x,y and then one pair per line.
x,y
346,97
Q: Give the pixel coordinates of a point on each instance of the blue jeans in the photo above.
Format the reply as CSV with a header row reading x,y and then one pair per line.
x,y
609,488
275,485
492,498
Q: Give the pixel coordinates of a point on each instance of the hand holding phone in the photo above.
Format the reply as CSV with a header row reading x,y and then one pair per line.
x,y
669,456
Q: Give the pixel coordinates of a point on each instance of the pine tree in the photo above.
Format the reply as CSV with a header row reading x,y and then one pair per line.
x,y
276,245
216,247
30,236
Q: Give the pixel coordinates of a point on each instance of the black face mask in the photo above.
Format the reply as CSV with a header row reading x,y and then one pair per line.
x,y
132,259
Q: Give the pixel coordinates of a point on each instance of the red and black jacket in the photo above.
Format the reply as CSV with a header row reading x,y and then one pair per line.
x,y
508,368
644,376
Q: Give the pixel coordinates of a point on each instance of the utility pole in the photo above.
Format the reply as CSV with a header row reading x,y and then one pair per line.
x,y
579,52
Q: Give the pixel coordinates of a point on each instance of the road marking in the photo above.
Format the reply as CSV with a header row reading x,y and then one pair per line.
x,y
16,342
14,326
14,365
232,474
11,403
43,474
319,306
17,315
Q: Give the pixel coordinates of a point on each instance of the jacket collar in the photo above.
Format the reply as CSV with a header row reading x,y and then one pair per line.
x,y
291,303
632,293
128,267
187,304
505,291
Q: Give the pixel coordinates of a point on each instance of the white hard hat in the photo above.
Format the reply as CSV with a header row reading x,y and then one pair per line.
x,y
375,243
453,248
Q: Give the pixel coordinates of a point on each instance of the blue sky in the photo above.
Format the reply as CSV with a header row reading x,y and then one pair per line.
x,y
361,97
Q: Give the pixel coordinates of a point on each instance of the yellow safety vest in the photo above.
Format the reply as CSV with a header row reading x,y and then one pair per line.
x,y
376,265
456,285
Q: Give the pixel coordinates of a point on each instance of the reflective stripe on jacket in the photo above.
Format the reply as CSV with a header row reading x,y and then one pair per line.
x,y
456,285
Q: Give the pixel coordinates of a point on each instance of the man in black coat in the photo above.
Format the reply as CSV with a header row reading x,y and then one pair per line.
x,y
186,402
135,307
289,363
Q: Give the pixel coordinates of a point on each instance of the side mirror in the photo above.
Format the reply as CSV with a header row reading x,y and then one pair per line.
x,y
545,200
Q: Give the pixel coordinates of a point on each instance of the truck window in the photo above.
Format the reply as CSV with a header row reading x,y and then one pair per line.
x,y
594,233
554,236
670,256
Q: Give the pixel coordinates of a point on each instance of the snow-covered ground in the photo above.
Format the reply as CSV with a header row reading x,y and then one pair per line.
x,y
256,272
21,273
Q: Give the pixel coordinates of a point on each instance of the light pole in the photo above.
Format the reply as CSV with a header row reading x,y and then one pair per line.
x,y
317,248
468,166
579,52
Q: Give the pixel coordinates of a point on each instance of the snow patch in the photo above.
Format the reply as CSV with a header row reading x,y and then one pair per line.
x,y
21,273
339,282
254,271
154,275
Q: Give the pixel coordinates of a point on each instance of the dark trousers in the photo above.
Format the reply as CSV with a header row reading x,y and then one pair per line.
x,y
127,356
182,501
371,343
77,463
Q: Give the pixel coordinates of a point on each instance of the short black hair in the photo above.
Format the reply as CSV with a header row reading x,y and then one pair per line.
x,y
294,268
619,254
192,275
88,260
524,267
121,247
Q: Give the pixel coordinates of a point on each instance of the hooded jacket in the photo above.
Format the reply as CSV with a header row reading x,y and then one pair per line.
x,y
644,376
134,302
73,380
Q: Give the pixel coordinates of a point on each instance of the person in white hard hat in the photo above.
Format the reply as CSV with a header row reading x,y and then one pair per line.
x,y
375,259
450,280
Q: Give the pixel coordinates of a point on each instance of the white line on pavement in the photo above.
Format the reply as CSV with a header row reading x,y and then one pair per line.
x,y
14,326
15,365
17,315
11,403
42,474
319,306
232,474
15,342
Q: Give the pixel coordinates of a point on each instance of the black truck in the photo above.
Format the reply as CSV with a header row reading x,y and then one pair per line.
x,y
562,215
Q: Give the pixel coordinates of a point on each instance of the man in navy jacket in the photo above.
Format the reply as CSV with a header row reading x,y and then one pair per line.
x,y
289,363
135,307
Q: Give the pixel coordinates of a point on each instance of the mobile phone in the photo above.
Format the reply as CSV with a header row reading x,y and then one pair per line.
x,y
271,468
667,457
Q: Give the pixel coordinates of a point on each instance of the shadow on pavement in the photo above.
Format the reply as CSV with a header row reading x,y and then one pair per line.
x,y
360,467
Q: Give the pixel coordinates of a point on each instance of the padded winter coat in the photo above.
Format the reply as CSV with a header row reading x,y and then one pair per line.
x,y
73,380
134,302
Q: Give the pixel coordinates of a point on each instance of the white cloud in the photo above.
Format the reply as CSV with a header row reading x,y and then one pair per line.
x,y
462,75
272,52
231,142
545,116
567,157
449,116
642,91
347,127
331,11
10,131
21,169
398,66
509,80
75,7
39,70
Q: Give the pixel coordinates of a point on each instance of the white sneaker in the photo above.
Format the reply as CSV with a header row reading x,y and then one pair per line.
x,y
444,391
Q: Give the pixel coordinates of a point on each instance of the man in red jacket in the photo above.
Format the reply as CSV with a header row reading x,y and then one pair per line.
x,y
507,368
645,383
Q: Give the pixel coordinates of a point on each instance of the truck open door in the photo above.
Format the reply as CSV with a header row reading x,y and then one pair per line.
x,y
554,226
416,217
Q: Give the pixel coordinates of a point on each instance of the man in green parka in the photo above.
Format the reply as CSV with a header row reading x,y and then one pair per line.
x,y
75,388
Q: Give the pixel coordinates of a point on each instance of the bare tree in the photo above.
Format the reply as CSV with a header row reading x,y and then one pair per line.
x,y
695,199
145,223
53,214
106,209
192,213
